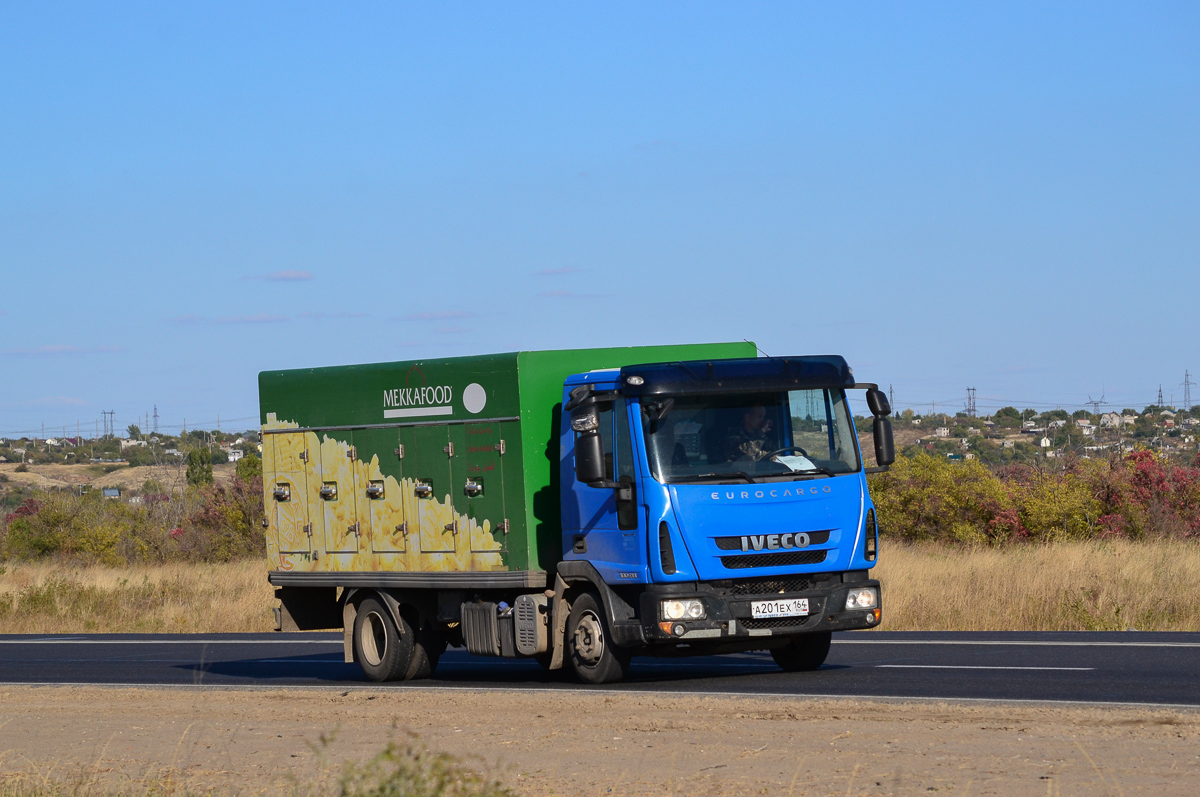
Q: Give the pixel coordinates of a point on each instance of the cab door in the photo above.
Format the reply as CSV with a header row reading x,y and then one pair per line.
x,y
478,479
433,486
287,491
337,497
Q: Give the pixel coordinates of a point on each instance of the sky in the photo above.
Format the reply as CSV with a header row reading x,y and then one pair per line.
x,y
1004,196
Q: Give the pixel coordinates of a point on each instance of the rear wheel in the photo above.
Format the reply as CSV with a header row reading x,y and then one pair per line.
x,y
384,650
593,656
803,653
428,646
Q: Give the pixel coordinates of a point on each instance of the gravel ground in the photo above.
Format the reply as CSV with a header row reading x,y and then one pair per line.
x,y
580,743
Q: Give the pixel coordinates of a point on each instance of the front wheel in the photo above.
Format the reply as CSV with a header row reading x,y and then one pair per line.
x,y
594,657
804,653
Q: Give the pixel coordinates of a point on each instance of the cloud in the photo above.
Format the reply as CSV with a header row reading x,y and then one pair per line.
x,y
555,272
260,318
56,349
56,401
318,316
440,315
568,295
287,275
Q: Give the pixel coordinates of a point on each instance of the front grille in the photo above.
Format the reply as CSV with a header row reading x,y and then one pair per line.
x,y
774,559
735,543
770,586
775,622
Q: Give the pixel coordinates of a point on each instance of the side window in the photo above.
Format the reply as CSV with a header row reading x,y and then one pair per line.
x,y
605,416
624,442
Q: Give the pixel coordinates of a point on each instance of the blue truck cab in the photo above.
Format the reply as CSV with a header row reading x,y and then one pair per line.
x,y
717,506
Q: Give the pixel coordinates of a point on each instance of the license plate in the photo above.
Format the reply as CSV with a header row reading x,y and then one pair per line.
x,y
794,607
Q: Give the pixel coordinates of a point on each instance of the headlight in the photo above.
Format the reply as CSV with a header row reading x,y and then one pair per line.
x,y
862,599
685,609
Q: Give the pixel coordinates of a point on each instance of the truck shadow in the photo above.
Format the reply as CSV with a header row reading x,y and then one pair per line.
x,y
458,667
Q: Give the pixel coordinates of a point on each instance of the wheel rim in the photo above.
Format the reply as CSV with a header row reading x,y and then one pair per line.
x,y
372,639
589,638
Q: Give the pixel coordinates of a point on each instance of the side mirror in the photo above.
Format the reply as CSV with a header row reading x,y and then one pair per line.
x,y
877,400
589,450
885,445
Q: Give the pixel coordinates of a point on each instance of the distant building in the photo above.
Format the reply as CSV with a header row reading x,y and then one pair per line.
x,y
132,443
236,454
941,431
1008,444
111,492
1110,420
1045,442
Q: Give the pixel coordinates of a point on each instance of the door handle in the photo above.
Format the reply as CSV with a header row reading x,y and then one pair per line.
x,y
282,492
473,489
374,491
423,490
329,492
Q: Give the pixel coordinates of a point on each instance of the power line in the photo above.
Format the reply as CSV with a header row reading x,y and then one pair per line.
x,y
1187,390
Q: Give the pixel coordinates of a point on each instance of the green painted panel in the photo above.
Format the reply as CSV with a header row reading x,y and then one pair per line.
x,y
419,408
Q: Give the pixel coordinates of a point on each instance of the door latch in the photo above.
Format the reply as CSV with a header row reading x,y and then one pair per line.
x,y
399,451
354,529
423,490
402,527
473,488
499,447
449,449
452,527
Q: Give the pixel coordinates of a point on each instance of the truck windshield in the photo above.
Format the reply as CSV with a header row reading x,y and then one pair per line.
x,y
750,436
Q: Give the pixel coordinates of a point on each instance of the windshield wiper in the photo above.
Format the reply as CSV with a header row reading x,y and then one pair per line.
x,y
818,469
737,474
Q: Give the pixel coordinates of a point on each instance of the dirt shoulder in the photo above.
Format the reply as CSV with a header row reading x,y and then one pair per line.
x,y
541,743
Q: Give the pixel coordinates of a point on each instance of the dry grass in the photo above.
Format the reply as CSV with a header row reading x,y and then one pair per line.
x,y
1079,586
38,598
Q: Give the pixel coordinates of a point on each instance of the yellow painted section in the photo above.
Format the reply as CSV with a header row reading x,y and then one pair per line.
x,y
471,548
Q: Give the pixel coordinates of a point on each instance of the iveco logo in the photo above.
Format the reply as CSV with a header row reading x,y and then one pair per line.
x,y
774,542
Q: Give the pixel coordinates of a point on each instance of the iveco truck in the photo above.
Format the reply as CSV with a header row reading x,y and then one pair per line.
x,y
576,507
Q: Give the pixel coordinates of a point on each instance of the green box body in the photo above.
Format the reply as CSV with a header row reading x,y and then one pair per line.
x,y
429,466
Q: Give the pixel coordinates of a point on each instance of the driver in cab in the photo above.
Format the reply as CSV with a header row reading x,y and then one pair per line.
x,y
752,439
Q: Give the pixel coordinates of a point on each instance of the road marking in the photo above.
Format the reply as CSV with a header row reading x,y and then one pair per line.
x,y
1017,643
525,688
973,667
170,642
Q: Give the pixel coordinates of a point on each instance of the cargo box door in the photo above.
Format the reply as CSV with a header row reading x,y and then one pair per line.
x,y
427,470
378,499
479,483
287,492
335,494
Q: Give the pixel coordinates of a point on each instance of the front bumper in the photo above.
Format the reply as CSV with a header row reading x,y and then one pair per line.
x,y
728,614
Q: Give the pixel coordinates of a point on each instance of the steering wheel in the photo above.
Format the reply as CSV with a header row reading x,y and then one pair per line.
x,y
787,448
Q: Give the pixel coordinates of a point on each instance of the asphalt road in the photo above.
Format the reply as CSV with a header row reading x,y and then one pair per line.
x,y
1128,667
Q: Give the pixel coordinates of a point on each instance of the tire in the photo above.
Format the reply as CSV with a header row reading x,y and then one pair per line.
x,y
593,656
805,653
384,651
428,647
